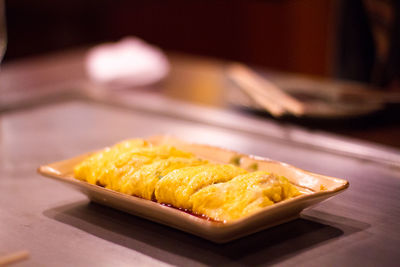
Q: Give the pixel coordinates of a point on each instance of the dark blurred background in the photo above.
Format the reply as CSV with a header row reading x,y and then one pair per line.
x,y
321,37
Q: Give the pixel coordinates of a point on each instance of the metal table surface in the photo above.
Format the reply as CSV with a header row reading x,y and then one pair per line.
x,y
61,228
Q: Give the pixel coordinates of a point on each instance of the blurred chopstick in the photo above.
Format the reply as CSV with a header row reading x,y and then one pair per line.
x,y
263,92
254,89
13,257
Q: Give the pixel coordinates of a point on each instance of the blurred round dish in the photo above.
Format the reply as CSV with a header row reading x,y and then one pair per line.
x,y
321,98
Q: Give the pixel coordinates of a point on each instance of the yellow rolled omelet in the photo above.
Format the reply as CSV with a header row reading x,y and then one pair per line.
x,y
96,166
108,167
168,175
143,182
129,162
241,196
177,187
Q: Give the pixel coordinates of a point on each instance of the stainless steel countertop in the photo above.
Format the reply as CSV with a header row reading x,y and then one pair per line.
x,y
61,228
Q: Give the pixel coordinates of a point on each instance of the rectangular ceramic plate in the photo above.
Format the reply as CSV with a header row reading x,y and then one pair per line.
x,y
315,188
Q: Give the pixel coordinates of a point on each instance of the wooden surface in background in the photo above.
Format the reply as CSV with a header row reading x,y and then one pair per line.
x,y
288,35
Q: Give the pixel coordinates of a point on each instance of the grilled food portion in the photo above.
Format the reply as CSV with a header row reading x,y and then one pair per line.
x,y
95,168
178,186
168,175
113,165
143,182
241,196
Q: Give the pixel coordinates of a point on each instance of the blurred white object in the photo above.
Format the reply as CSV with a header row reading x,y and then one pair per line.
x,y
128,63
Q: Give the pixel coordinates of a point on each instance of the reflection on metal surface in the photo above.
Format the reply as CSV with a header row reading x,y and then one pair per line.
x,y
268,128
